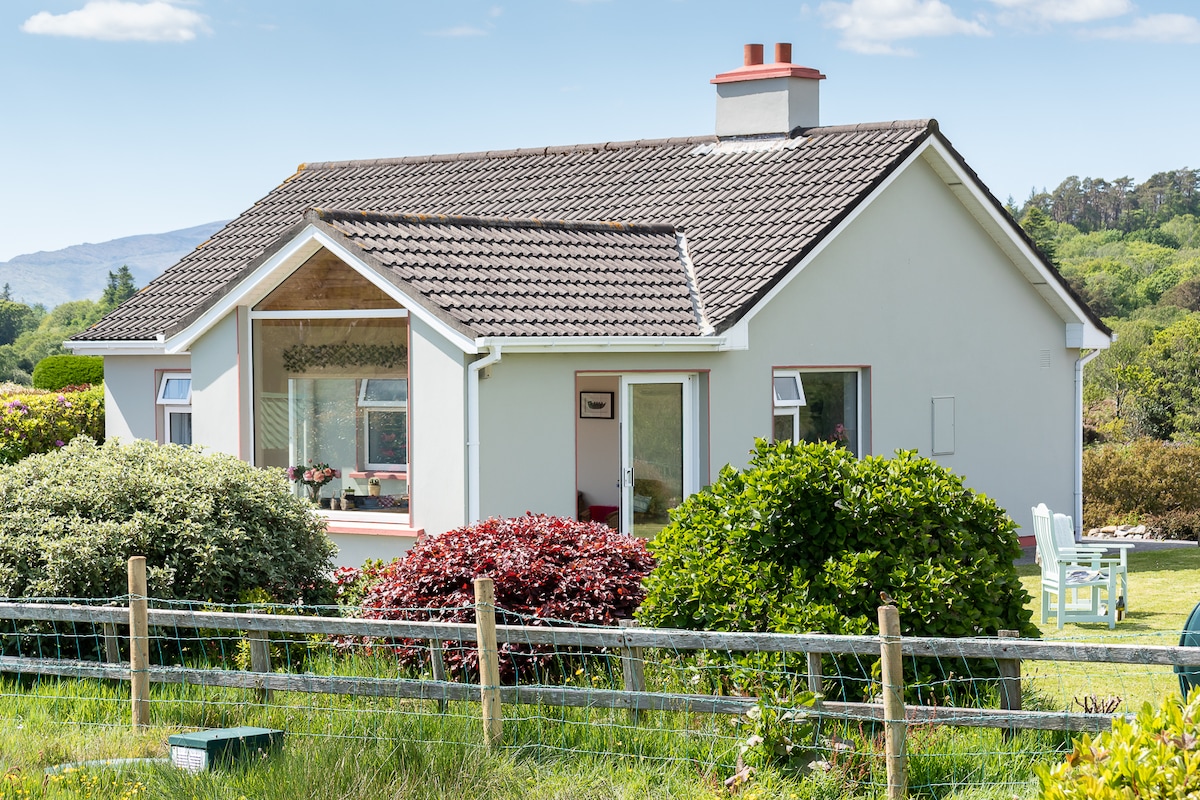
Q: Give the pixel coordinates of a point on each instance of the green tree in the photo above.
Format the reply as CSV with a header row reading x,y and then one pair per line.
x,y
1166,380
120,288
1038,225
15,319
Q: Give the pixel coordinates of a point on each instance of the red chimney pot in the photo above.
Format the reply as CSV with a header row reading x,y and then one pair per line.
x,y
752,55
783,53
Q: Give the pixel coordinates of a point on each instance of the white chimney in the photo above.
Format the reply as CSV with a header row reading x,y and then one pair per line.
x,y
759,99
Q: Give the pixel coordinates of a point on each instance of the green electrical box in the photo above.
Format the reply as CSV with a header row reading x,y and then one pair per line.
x,y
199,751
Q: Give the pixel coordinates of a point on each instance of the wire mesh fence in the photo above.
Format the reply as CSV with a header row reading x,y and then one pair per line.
x,y
979,713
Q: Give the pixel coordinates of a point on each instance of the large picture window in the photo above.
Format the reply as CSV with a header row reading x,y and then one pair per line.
x,y
813,405
331,391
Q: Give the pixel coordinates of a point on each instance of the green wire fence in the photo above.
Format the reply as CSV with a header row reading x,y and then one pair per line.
x,y
881,713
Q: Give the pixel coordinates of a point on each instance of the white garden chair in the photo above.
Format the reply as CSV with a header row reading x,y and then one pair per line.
x,y
1064,534
1075,583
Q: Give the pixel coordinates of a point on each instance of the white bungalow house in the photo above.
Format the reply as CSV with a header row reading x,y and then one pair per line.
x,y
600,328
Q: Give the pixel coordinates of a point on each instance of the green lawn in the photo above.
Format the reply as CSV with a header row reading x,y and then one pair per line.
x,y
1164,586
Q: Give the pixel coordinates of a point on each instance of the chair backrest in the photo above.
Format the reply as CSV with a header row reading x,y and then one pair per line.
x,y
1064,532
1043,531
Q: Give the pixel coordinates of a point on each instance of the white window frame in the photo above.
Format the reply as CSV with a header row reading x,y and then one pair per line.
x,y
363,402
173,405
796,402
388,406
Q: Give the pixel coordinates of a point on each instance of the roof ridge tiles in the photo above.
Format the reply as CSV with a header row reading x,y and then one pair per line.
x,y
375,217
930,125
511,153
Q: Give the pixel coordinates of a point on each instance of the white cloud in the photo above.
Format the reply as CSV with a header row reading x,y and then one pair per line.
x,y
873,26
1165,28
1066,10
120,21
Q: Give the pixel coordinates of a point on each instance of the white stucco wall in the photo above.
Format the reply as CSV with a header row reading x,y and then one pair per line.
x,y
915,291
217,419
919,293
437,431
131,392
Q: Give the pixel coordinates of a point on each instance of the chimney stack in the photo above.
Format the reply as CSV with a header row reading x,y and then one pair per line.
x,y
758,99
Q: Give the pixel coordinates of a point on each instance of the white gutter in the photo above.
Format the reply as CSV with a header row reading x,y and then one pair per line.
x,y
475,368
1079,362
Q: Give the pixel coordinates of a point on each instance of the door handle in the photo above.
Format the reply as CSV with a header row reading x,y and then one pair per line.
x,y
629,476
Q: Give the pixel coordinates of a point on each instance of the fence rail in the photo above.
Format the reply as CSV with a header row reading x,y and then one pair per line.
x,y
626,639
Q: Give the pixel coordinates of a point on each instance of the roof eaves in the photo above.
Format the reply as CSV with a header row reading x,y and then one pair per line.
x,y
1051,268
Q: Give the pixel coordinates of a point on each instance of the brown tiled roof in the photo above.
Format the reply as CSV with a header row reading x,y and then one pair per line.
x,y
749,210
509,277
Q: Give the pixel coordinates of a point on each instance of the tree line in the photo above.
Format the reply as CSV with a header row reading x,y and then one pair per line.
x,y
1132,252
29,333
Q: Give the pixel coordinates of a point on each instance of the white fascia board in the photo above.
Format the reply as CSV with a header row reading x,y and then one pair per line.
x,y
112,347
1080,331
740,331
283,263
603,344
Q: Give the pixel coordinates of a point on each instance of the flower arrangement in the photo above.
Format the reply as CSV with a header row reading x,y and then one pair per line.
x,y
314,476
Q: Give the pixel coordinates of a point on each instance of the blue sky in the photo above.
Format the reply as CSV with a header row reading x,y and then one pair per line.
x,y
120,117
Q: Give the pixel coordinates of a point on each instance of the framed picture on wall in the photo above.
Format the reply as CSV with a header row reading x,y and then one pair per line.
x,y
596,405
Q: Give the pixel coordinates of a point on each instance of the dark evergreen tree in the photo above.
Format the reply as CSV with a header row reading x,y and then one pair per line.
x,y
120,288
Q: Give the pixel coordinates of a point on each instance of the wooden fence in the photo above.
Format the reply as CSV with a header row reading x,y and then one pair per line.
x,y
630,641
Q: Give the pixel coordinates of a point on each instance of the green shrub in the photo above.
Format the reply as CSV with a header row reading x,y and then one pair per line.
x,y
807,536
1149,482
54,372
33,421
212,528
1157,755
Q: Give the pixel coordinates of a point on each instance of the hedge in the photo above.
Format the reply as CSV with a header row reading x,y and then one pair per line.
x,y
55,372
1150,482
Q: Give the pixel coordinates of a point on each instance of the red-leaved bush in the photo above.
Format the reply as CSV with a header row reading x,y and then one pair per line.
x,y
547,571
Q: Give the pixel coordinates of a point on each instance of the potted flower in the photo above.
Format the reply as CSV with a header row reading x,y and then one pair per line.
x,y
314,476
373,487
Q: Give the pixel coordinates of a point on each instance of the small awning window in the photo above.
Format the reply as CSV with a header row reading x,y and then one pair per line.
x,y
789,391
175,389
383,393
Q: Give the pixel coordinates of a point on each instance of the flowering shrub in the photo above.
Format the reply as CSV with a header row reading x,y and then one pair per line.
x,y
211,527
314,476
547,570
33,421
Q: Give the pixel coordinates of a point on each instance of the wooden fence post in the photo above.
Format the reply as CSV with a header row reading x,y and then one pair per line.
x,y
260,660
489,661
139,643
438,662
633,670
816,679
893,702
1010,683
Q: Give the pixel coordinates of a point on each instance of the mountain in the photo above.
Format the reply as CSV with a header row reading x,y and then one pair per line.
x,y
79,272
